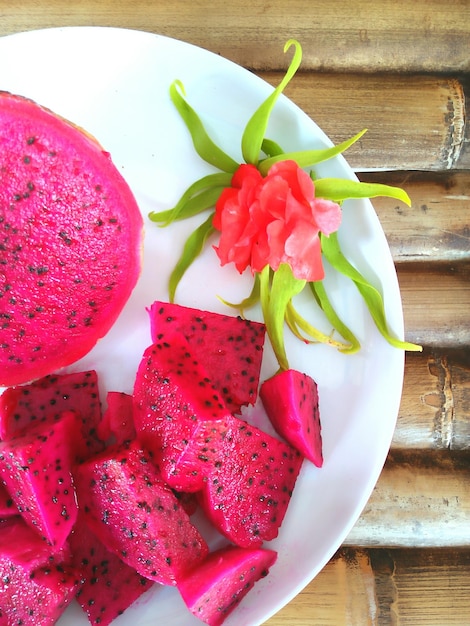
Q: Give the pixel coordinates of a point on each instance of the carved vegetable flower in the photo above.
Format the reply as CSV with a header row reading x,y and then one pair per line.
x,y
273,220
276,220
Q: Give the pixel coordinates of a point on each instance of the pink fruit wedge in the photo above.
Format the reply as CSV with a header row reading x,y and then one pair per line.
x,y
7,506
249,484
291,402
218,585
37,584
136,515
70,241
25,406
229,348
117,425
36,469
173,397
108,586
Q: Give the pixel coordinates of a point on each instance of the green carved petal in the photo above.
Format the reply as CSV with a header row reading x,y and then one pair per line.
x,y
275,295
203,201
319,292
207,189
372,298
296,321
203,144
271,148
247,303
307,158
192,249
338,189
254,132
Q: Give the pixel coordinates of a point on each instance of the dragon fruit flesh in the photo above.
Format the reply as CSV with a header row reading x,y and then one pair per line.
x,y
70,241
250,485
108,586
44,400
188,501
229,348
45,594
7,506
36,470
219,584
173,400
22,546
136,515
117,424
291,402
37,585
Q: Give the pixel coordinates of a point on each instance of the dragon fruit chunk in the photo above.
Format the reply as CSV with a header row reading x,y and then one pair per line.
x,y
136,515
216,587
45,594
173,397
71,239
7,506
250,484
22,546
117,424
291,402
108,586
229,348
44,400
37,585
36,470
188,501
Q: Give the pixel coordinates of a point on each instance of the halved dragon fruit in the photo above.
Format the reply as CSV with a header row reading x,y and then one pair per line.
x,y
70,241
291,401
108,586
137,516
36,469
45,400
229,348
250,484
37,584
173,399
218,585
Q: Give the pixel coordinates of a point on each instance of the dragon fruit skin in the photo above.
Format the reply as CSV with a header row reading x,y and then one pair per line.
x,y
291,401
173,400
37,585
136,515
71,237
36,470
250,484
229,348
44,400
218,585
108,586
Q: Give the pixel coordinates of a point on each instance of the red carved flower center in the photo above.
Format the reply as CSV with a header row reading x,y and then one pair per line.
x,y
273,220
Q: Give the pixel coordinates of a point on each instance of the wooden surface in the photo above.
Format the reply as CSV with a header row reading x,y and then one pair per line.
x,y
401,69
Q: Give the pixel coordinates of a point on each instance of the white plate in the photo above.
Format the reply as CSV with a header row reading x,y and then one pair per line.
x,y
114,83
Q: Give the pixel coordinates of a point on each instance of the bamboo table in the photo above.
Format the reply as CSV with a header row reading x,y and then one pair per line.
x,y
401,69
